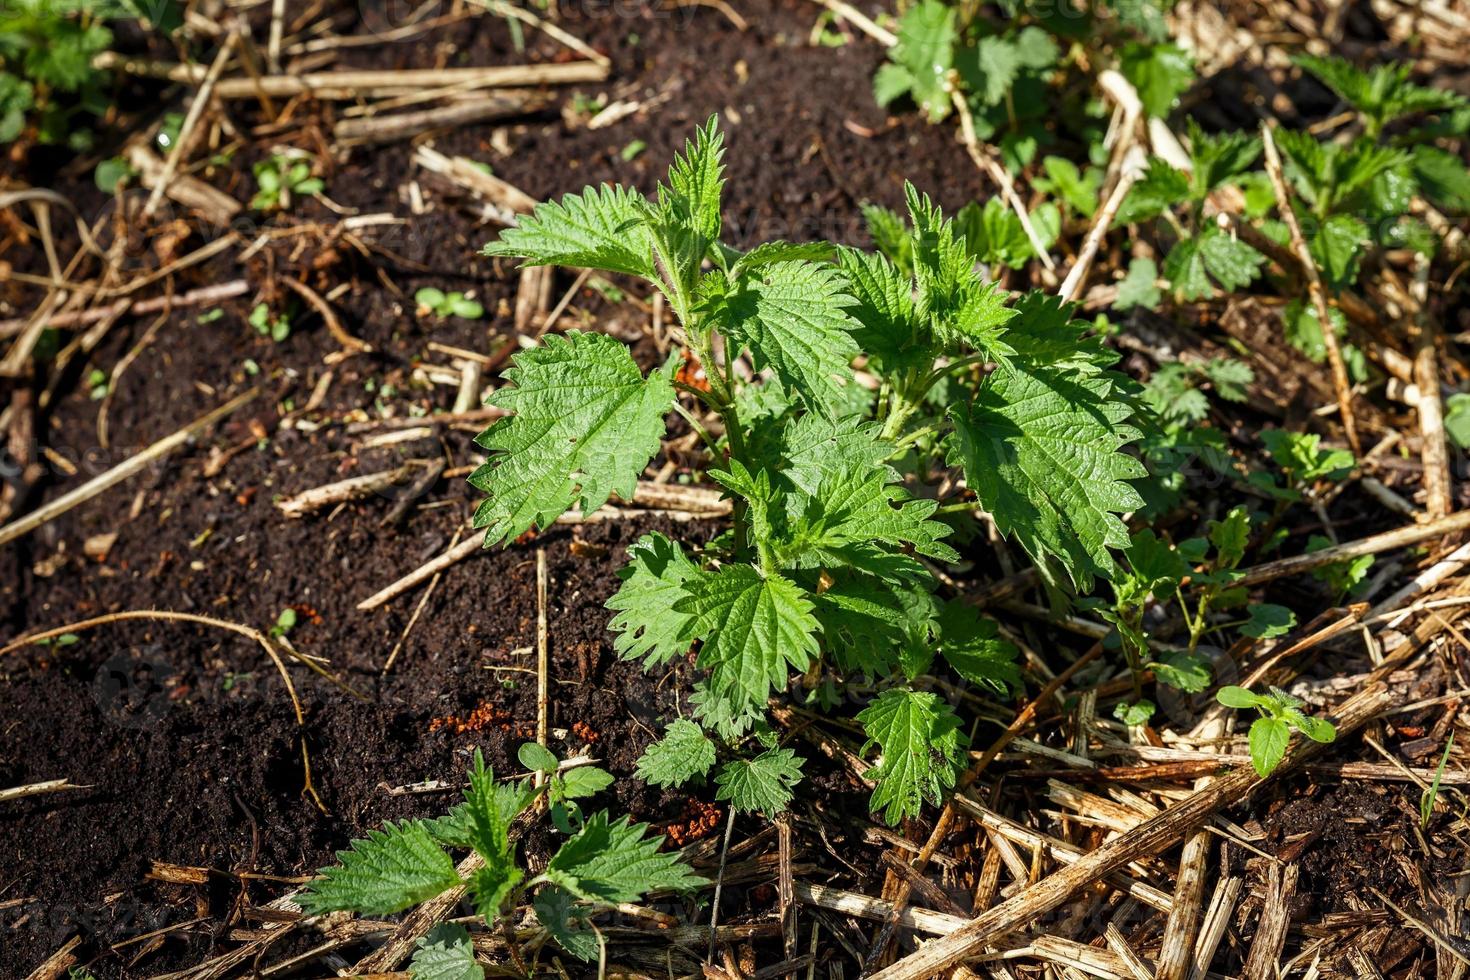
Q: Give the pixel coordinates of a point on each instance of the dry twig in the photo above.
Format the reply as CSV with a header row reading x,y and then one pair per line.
x,y
1315,288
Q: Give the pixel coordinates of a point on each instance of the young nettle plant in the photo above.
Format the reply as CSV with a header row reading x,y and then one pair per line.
x,y
603,863
1156,573
441,304
276,326
1202,254
827,564
1280,715
281,178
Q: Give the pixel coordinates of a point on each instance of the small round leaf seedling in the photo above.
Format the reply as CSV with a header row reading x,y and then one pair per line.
x,y
1280,714
441,304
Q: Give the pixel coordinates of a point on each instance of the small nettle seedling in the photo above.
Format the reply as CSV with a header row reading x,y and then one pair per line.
x,y
824,570
276,326
1302,462
1155,573
111,172
1281,714
279,179
1203,254
602,863
97,384
1181,440
284,624
442,304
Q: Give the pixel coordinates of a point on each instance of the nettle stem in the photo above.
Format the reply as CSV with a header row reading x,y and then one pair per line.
x,y
721,398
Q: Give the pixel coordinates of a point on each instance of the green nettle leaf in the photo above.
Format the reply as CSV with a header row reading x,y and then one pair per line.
x,y
696,181
991,68
1268,738
1140,286
1232,262
1267,621
921,59
600,228
491,807
1302,457
16,98
684,753
1231,535
770,253
1213,252
1344,577
490,886
1442,175
762,784
1160,188
1160,73
585,423
755,628
1337,246
1184,267
868,622
1042,452
582,782
388,871
1156,567
557,913
1219,159
964,310
890,236
1329,175
923,751
891,82
1316,729
446,953
889,326
793,318
1134,714
972,645
1078,189
647,627
1187,671
536,757
729,719
1457,419
814,448
1036,48
995,234
1304,332
1382,94
1231,378
1233,696
856,505
615,862
1043,336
